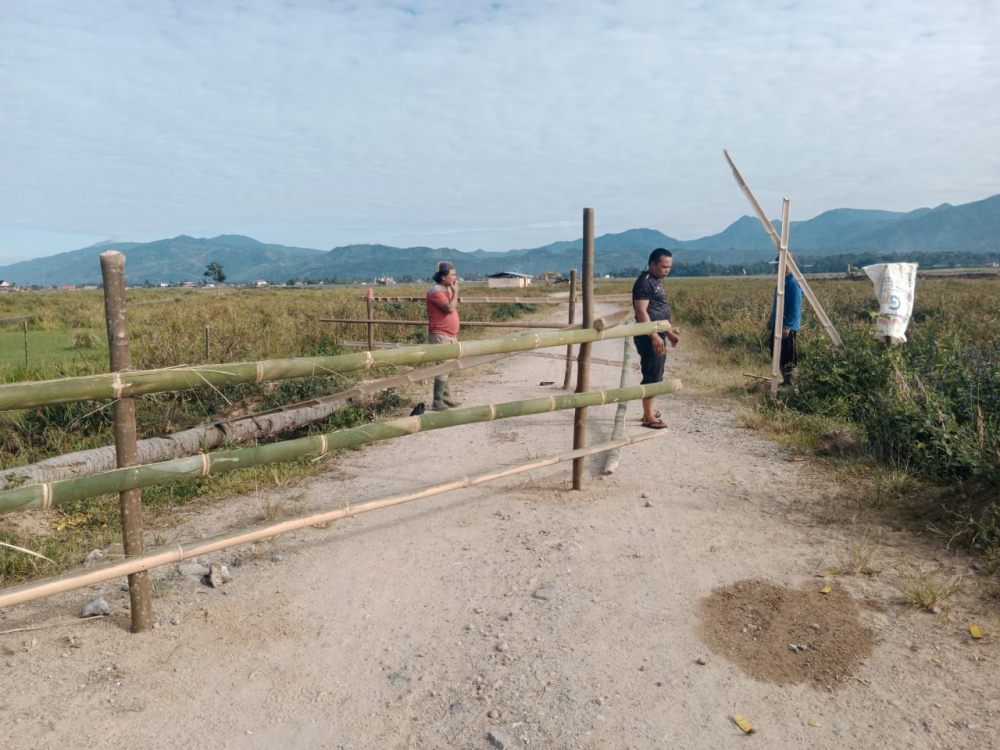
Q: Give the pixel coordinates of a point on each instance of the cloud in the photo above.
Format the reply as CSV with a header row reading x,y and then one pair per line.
x,y
153,117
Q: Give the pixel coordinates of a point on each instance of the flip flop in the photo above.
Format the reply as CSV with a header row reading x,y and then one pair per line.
x,y
655,414
655,425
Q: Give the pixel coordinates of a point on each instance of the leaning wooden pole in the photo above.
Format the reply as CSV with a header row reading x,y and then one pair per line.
x,y
50,494
39,589
570,321
779,299
140,382
618,430
806,289
130,501
583,360
370,306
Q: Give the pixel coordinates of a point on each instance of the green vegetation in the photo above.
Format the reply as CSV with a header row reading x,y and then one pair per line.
x,y
928,410
167,328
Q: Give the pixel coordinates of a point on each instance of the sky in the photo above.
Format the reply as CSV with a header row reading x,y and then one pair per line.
x,y
469,124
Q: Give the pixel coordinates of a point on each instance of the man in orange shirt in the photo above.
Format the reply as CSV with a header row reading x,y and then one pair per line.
x,y
442,324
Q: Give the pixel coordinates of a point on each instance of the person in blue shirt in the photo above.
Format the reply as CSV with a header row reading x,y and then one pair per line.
x,y
791,319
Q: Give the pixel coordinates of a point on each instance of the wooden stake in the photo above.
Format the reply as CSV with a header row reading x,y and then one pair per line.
x,y
583,361
370,303
208,345
806,289
25,343
571,320
779,299
130,501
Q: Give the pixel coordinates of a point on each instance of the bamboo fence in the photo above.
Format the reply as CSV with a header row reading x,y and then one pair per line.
x,y
561,300
140,382
618,430
49,494
39,589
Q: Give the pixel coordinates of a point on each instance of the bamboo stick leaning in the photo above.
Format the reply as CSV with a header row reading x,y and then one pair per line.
x,y
54,493
40,589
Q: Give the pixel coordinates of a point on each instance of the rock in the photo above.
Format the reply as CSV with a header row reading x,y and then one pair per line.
x,y
124,587
237,562
502,646
218,574
546,593
649,504
701,660
193,569
643,495
493,713
276,557
93,557
815,626
96,607
499,741
175,619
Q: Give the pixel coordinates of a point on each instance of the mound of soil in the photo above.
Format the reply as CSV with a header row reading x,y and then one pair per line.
x,y
786,636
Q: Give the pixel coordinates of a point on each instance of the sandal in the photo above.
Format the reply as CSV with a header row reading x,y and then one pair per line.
x,y
655,425
656,414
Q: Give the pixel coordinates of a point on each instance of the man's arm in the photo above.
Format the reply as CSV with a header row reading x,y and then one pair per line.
x,y
641,307
446,305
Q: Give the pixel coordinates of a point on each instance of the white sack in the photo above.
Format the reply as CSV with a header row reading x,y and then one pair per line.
x,y
894,287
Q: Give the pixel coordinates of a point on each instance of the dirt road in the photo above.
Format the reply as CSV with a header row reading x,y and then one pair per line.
x,y
518,614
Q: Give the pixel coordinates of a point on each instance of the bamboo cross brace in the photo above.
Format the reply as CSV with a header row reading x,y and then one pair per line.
x,y
140,382
71,581
806,289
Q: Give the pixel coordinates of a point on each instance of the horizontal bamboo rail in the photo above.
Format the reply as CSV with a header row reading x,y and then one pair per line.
x,y
39,589
465,323
511,300
140,382
48,494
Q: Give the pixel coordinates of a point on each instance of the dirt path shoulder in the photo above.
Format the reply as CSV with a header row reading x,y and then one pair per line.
x,y
517,614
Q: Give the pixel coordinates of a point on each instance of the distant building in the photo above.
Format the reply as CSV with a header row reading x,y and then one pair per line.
x,y
6,286
260,282
385,281
66,287
506,279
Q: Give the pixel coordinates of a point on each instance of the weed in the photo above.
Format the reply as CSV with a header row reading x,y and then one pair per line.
x,y
860,558
927,590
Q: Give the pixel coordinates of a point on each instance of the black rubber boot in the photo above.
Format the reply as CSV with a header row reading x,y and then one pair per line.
x,y
439,402
446,396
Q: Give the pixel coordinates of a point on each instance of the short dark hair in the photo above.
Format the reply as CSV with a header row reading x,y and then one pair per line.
x,y
658,253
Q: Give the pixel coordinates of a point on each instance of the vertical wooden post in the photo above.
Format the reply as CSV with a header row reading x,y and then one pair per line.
x,y
25,343
370,304
208,344
130,501
583,360
571,321
779,298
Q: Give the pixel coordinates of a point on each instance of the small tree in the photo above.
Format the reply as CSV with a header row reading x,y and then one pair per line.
x,y
215,273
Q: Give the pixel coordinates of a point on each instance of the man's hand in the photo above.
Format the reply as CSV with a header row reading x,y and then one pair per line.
x,y
785,332
674,339
658,346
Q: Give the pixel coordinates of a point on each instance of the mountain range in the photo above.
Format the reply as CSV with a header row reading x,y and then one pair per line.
x,y
970,228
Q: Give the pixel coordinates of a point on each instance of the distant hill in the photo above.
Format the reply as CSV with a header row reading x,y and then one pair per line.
x,y
969,228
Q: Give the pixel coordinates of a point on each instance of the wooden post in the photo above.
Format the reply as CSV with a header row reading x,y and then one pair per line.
x,y
208,345
570,321
25,343
779,299
370,304
130,501
583,360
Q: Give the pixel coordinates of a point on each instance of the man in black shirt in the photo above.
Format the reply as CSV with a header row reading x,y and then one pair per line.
x,y
650,303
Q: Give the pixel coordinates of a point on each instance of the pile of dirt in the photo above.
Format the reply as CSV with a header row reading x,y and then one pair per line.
x,y
785,636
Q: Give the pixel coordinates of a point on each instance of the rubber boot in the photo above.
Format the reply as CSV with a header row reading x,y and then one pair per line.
x,y
439,403
446,396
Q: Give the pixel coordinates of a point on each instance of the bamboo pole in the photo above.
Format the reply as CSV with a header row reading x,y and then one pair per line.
x,y
807,290
572,319
39,589
208,344
560,300
50,494
140,382
618,431
583,361
130,500
25,322
779,299
465,323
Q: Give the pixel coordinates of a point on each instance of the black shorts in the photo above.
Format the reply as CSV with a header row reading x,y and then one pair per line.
x,y
652,363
